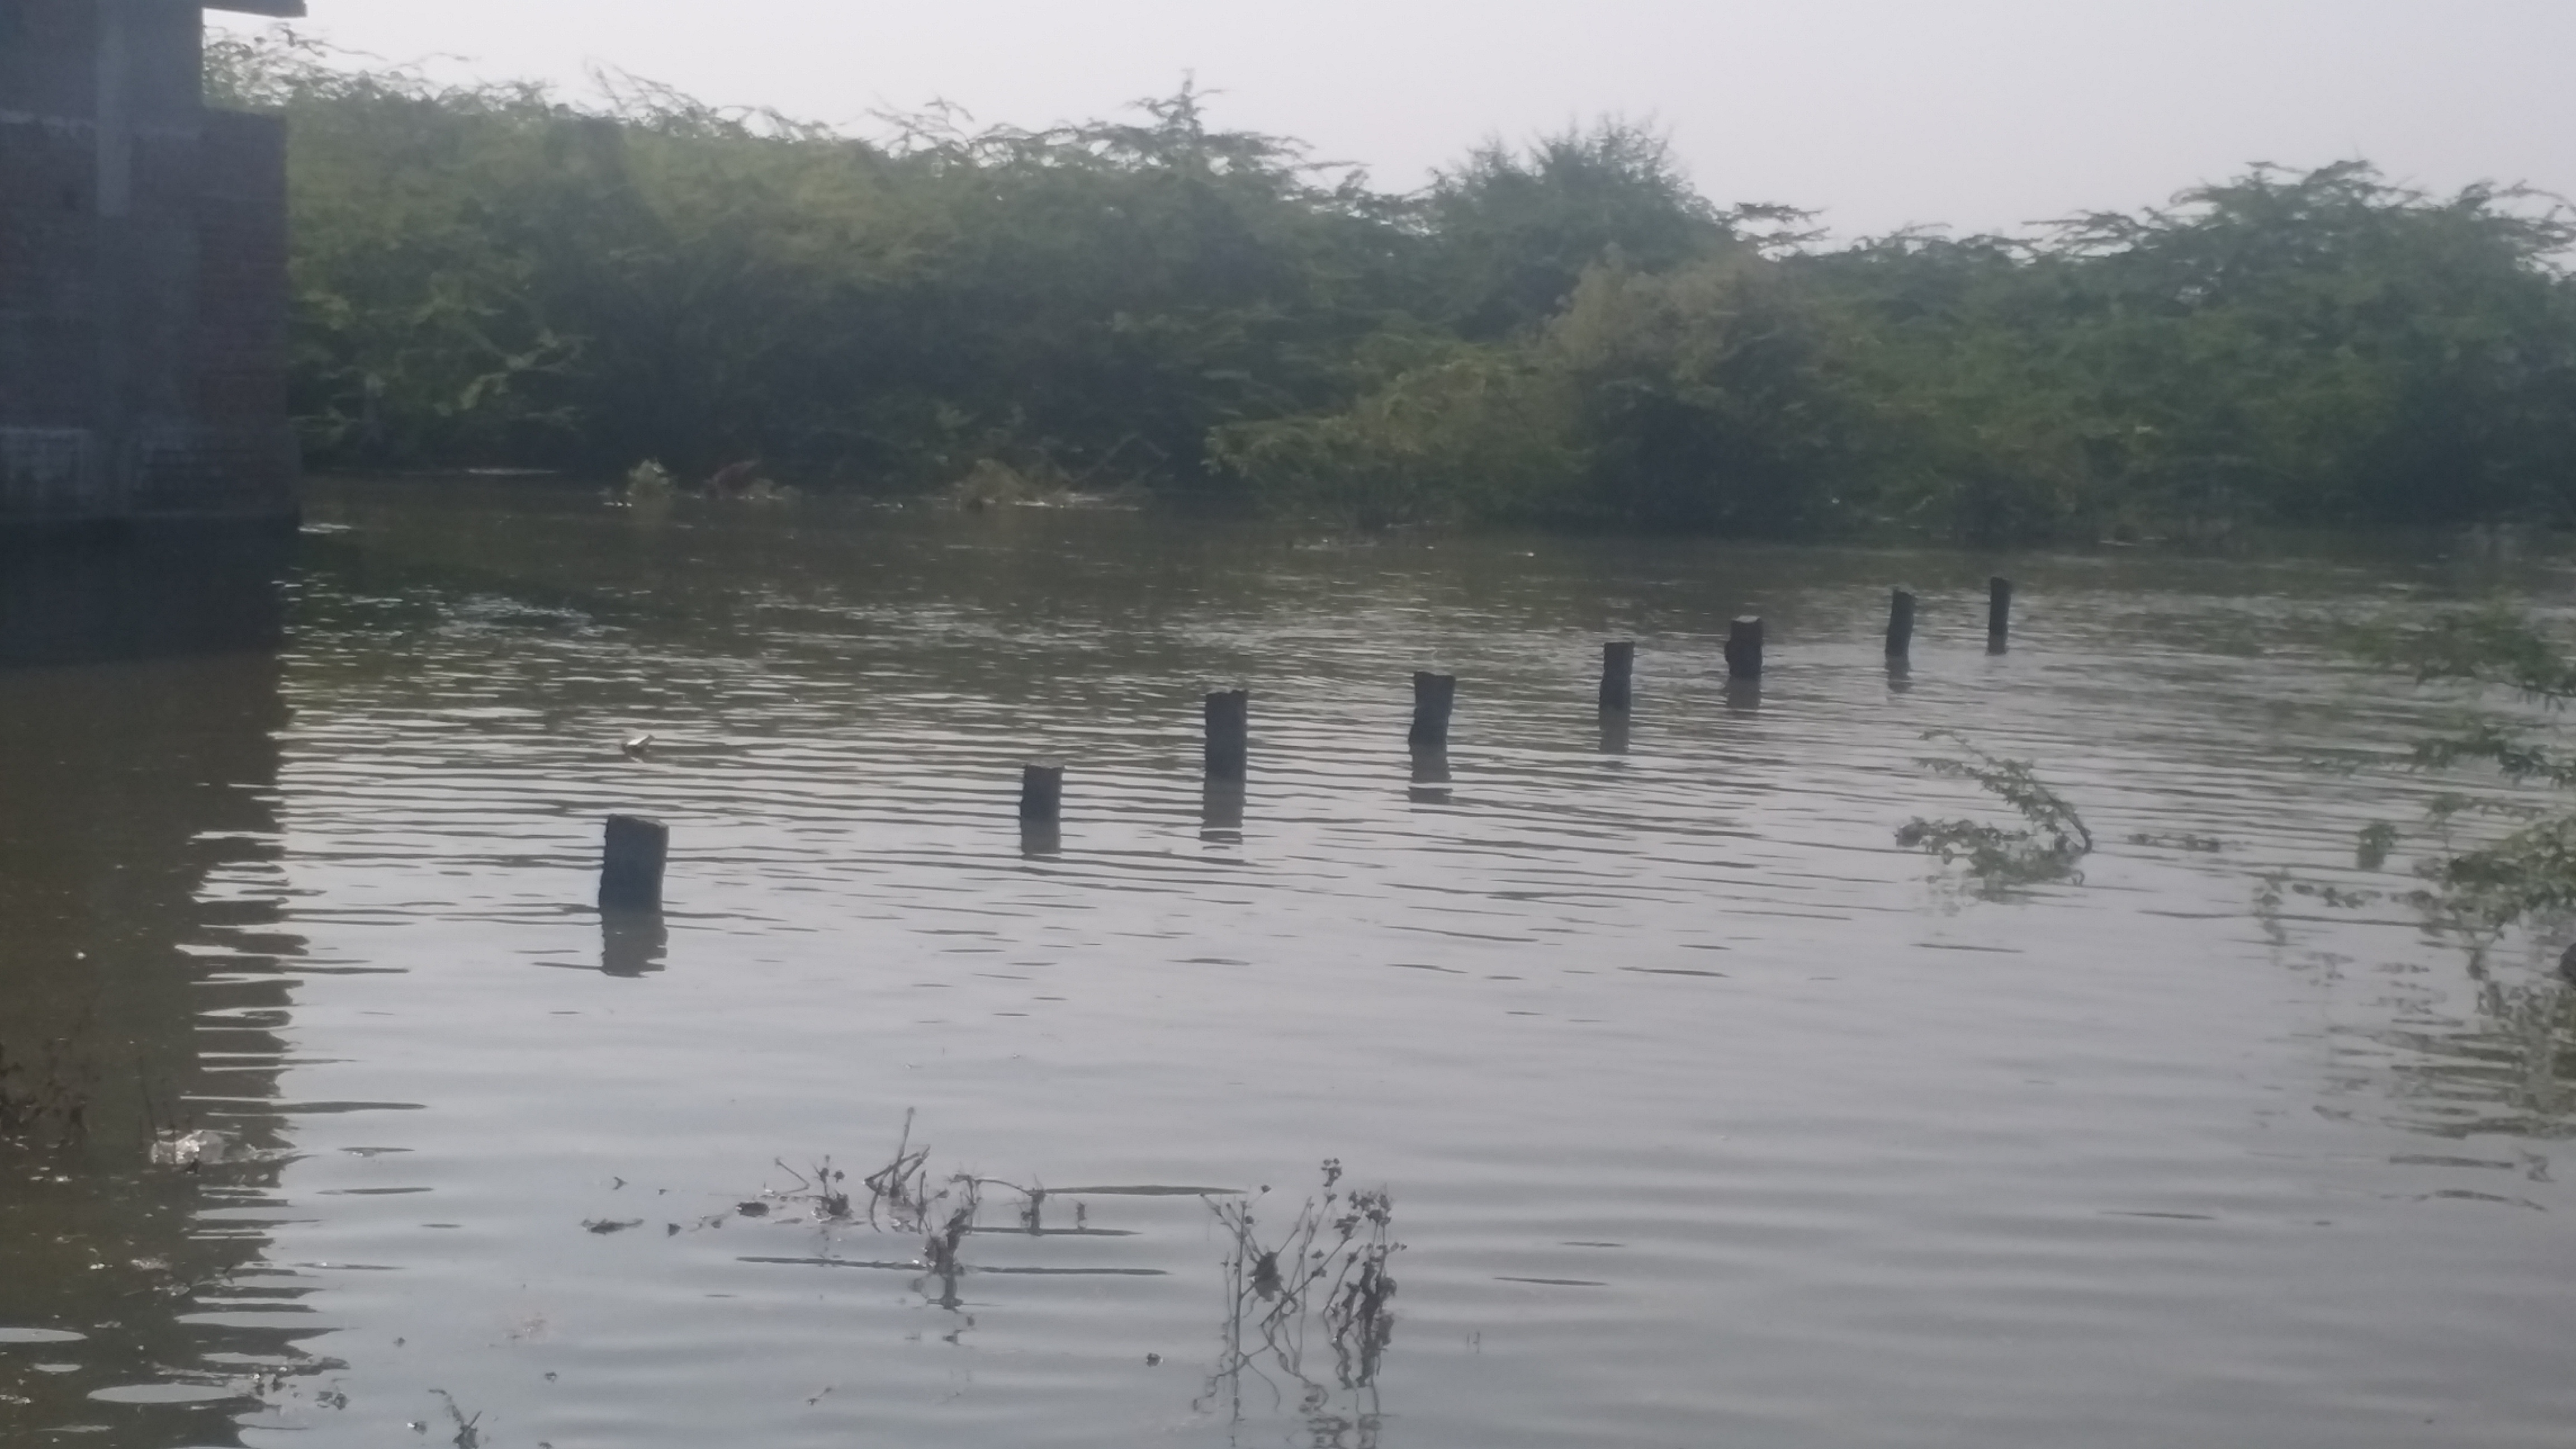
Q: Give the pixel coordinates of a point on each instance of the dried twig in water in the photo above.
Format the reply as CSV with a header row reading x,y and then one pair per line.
x,y
1329,1267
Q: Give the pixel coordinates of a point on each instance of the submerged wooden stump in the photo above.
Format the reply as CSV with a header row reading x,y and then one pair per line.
x,y
1618,671
1900,624
1744,648
1433,697
630,864
1229,734
1999,592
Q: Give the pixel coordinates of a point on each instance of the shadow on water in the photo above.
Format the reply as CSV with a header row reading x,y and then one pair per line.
x,y
139,862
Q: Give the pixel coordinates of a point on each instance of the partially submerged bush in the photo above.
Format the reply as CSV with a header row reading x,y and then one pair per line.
x,y
2050,846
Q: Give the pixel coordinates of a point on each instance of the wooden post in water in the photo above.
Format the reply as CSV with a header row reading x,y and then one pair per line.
x,y
1041,793
630,864
1618,671
1433,696
1900,625
1744,648
1229,734
1999,592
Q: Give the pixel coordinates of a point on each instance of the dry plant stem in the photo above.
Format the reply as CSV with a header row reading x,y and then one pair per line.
x,y
1276,1292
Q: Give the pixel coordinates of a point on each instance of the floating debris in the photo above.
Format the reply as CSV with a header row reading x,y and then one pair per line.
x,y
189,1151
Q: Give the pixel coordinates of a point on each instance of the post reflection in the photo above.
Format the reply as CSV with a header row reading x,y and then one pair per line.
x,y
633,943
1614,732
1430,777
1041,840
1221,811
1744,696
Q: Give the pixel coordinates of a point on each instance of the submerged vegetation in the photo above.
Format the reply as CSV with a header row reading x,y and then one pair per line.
x,y
2050,844
1318,1282
1329,1268
1565,333
2522,867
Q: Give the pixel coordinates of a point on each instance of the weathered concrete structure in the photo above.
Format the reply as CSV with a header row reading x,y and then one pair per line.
x,y
147,468
142,274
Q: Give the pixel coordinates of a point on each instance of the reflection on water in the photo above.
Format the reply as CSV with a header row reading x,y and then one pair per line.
x,y
2507,1070
145,939
1715,1117
1430,777
141,592
633,943
1614,732
1221,805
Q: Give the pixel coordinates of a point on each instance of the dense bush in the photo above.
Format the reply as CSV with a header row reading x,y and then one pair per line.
x,y
1566,333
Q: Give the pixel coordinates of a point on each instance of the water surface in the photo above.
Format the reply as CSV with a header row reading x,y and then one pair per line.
x,y
1708,1114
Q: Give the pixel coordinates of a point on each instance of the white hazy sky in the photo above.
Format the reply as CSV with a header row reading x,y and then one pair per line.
x,y
1980,114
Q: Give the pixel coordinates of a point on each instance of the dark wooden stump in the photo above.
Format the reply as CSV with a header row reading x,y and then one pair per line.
x,y
1433,697
1041,793
1900,625
630,864
1618,672
1744,648
1229,734
1999,592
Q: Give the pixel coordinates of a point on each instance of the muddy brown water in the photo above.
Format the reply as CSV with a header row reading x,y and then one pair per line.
x,y
1708,1114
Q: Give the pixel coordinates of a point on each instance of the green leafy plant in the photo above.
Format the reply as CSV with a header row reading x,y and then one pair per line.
x,y
1568,332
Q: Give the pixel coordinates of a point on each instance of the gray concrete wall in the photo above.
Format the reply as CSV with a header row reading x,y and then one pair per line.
x,y
143,289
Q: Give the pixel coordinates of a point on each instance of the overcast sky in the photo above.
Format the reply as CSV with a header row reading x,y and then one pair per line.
x,y
1979,114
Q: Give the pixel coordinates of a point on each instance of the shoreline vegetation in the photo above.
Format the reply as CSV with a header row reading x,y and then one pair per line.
x,y
1567,334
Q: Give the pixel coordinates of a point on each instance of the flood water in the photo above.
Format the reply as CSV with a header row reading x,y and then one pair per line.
x,y
1708,1115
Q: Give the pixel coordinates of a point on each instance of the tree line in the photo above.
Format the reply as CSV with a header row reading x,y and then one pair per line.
x,y
1567,333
